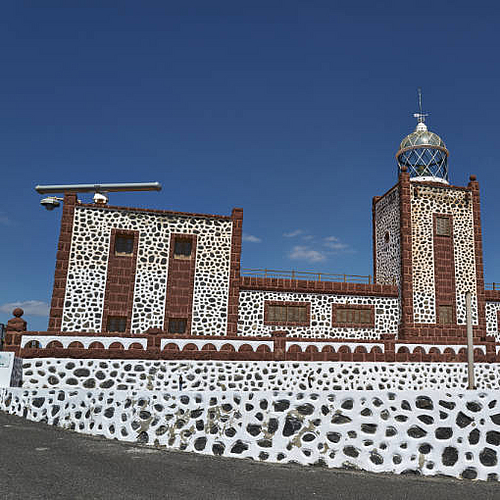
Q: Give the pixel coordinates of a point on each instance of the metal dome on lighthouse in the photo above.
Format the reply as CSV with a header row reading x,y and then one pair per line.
x,y
423,152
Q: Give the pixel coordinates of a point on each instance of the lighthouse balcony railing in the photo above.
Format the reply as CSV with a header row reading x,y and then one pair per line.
x,y
308,275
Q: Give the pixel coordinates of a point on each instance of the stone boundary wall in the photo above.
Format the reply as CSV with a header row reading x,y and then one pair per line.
x,y
251,375
426,432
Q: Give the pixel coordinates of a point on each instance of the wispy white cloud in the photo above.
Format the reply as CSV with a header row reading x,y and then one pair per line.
x,y
336,246
251,238
333,243
308,237
30,307
308,254
4,219
293,234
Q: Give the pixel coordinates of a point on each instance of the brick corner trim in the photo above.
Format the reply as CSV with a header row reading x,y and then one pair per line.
x,y
62,262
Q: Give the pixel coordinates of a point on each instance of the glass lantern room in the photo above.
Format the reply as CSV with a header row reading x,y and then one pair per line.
x,y
424,154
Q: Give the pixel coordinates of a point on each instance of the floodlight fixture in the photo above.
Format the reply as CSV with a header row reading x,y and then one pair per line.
x,y
50,202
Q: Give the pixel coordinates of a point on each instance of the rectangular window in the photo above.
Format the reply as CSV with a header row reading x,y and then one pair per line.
x,y
182,248
177,325
443,226
345,315
117,324
287,314
445,315
124,244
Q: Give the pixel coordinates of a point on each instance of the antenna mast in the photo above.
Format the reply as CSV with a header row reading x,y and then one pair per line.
x,y
420,116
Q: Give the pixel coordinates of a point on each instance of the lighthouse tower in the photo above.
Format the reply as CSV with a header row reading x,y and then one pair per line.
x,y
427,240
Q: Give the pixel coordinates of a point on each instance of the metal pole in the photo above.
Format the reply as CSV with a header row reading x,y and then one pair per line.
x,y
470,346
2,334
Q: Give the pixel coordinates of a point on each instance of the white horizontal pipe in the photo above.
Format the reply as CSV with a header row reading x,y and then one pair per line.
x,y
93,188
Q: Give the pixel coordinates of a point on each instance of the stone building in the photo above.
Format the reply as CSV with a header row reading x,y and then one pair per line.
x,y
162,275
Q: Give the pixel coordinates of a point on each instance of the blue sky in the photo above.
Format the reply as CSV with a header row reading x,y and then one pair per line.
x,y
291,110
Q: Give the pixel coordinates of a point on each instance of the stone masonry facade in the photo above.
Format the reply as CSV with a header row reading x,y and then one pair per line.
x,y
178,275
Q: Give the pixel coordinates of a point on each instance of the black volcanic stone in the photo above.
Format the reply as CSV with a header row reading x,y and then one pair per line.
x,y
449,405
463,420
493,437
292,425
450,456
351,451
444,433
473,406
376,458
474,436
272,425
334,437
469,473
239,447
253,429
369,428
281,405
488,457
200,443
306,409
425,448
218,448
338,418
416,432
424,403
347,404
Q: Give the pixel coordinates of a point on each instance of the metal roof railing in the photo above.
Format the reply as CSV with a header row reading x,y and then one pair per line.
x,y
492,286
308,275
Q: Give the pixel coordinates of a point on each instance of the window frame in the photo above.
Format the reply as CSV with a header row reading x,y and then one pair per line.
x,y
272,303
128,236
183,239
113,317
442,217
451,314
355,307
177,320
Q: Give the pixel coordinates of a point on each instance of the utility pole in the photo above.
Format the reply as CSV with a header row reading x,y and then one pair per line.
x,y
470,346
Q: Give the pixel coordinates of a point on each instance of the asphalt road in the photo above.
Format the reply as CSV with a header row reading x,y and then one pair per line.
x,y
42,462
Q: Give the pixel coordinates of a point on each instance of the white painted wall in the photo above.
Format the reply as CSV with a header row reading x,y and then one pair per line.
x,y
453,432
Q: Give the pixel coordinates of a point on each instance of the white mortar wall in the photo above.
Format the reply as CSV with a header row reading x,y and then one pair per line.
x,y
251,315
252,375
388,253
426,432
87,269
426,201
491,319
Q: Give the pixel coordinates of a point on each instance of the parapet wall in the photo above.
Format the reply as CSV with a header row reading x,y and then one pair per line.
x,y
425,432
251,375
277,347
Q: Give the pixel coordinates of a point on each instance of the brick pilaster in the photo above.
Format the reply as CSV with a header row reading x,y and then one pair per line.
x,y
406,291
478,248
180,283
444,268
375,200
62,262
120,281
234,272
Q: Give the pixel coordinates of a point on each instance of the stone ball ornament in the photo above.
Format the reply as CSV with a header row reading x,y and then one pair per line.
x,y
17,312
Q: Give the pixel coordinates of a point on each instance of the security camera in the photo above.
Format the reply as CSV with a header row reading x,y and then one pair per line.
x,y
50,202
